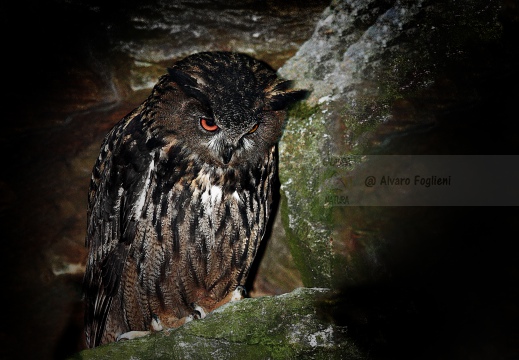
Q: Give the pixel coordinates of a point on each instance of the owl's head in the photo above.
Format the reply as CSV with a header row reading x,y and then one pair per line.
x,y
229,106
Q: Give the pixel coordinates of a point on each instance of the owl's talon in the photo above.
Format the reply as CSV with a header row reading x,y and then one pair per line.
x,y
189,318
199,310
239,293
156,325
132,335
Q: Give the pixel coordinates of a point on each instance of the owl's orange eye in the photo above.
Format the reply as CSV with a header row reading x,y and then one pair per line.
x,y
208,124
254,128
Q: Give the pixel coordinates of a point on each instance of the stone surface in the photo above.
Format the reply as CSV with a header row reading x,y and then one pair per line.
x,y
377,71
287,326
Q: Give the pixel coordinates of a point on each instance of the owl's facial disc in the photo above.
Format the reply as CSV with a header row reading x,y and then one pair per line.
x,y
228,145
222,150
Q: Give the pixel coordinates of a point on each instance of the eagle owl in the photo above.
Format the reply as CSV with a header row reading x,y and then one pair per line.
x,y
180,195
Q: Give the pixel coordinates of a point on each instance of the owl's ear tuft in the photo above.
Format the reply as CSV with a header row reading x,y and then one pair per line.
x,y
281,97
181,78
189,85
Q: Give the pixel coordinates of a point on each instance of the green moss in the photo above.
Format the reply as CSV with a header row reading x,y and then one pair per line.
x,y
277,327
306,258
306,219
302,110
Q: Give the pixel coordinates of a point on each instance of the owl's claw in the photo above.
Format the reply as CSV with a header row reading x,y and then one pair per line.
x,y
156,326
132,335
190,318
200,312
239,293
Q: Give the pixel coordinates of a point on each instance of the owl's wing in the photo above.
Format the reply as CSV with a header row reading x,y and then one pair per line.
x,y
117,190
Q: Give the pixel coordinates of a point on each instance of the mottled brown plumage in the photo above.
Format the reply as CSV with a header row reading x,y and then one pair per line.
x,y
180,195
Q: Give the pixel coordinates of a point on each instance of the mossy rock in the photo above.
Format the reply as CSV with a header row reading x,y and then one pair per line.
x,y
288,326
372,68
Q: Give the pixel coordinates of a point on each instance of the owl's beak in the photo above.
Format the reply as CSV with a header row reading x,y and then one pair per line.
x,y
227,154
